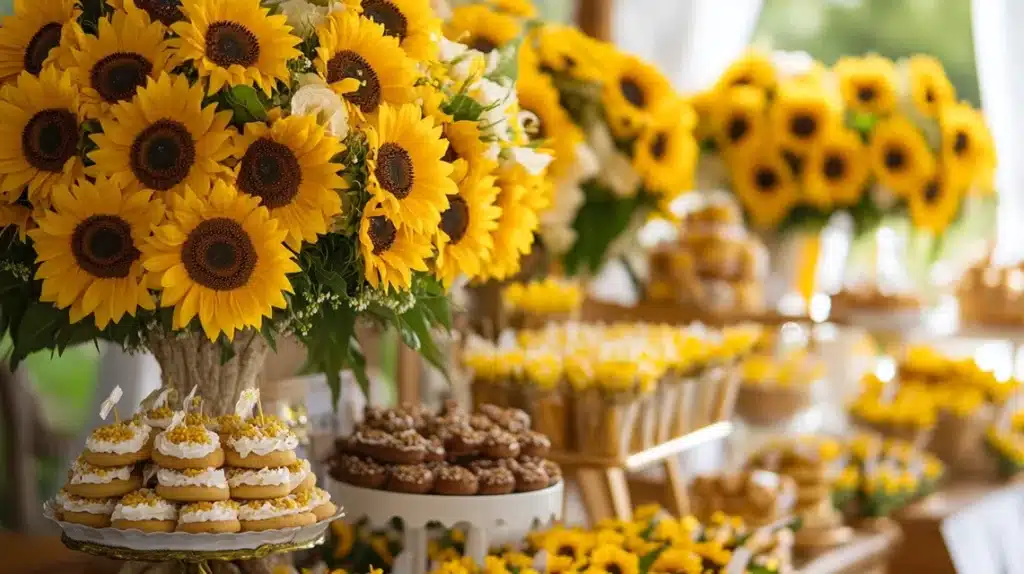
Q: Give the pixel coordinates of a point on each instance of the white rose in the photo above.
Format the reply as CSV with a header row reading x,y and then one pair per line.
x,y
316,99
448,50
534,161
304,16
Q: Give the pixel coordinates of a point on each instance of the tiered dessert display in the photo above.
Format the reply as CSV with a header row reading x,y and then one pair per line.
x,y
486,469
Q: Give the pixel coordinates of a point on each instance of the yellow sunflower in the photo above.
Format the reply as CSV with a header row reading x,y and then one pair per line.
x,y
633,92
713,552
665,155
390,252
900,156
930,88
88,250
164,139
513,237
519,8
116,62
289,166
967,149
39,123
344,534
405,169
739,118
362,64
166,12
765,185
481,28
611,558
837,171
464,239
801,116
754,68
677,561
236,43
28,37
17,216
936,203
412,22
565,542
549,122
222,259
467,152
561,565
867,84
566,50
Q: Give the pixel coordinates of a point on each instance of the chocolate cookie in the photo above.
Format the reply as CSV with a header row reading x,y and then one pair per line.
x,y
533,443
360,472
406,447
553,471
462,440
388,420
481,422
482,464
530,476
435,450
497,480
499,444
411,479
454,480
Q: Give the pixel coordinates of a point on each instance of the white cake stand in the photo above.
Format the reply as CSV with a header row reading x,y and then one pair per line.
x,y
490,519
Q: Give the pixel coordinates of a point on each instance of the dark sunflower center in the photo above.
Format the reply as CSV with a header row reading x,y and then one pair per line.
x,y
394,170
737,128
38,48
230,43
613,569
102,245
794,161
450,153
633,93
929,95
50,139
866,94
567,550
659,145
271,172
348,64
766,179
932,191
218,254
895,159
960,143
166,11
162,154
455,219
481,44
388,15
835,167
803,126
117,76
382,234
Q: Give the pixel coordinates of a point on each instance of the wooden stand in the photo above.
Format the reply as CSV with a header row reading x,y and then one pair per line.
x,y
868,553
604,483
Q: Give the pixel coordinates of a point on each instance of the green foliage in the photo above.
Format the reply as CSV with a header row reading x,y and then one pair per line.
x,y
464,107
245,103
601,219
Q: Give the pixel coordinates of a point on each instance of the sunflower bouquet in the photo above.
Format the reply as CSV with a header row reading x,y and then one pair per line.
x,y
212,174
869,136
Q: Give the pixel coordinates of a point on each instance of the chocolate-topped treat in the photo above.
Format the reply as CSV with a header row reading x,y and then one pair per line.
x,y
482,464
462,440
481,422
406,447
530,476
500,444
454,480
344,445
512,420
360,472
533,443
419,414
553,471
411,479
435,450
497,480
388,420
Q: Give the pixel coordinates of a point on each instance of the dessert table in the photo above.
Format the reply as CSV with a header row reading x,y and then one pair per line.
x,y
870,552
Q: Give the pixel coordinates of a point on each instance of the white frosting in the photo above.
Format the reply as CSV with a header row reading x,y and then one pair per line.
x,y
218,513
264,445
261,477
211,477
187,449
87,474
61,498
90,505
266,511
318,497
140,434
162,510
160,423
298,477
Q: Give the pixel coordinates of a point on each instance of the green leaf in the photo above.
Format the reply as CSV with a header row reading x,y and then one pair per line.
x,y
462,107
598,223
415,331
508,63
37,330
245,101
647,560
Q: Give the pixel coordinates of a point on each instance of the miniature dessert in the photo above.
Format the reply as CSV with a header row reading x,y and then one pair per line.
x,y
262,442
158,417
250,483
192,484
300,476
454,480
533,443
146,511
529,476
224,425
317,501
553,471
499,444
209,517
93,512
411,479
91,481
359,472
497,480
188,446
284,512
404,447
118,444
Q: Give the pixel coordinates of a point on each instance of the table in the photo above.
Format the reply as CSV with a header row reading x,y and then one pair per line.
x,y
869,552
33,554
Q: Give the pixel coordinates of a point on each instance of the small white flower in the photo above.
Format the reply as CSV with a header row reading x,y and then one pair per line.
x,y
534,161
618,174
586,165
316,99
449,50
304,16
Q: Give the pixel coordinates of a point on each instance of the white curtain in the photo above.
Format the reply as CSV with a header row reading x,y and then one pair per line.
x,y
692,41
999,52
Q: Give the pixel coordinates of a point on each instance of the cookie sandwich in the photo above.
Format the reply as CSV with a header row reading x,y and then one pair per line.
x,y
262,442
91,481
192,484
284,512
120,444
188,446
145,510
209,517
301,476
318,502
93,512
259,483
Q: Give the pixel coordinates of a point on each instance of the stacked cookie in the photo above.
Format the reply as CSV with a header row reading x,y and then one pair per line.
x,y
452,452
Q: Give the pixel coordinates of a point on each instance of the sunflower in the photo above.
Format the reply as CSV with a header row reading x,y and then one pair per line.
x,y
677,561
935,204
17,216
412,22
867,84
117,61
236,43
610,558
166,12
801,116
288,165
738,119
29,36
900,156
481,28
565,542
467,152
765,185
561,565
633,92
164,139
930,88
714,555
88,250
362,64
518,8
344,534
220,258
837,171
39,123
967,147
665,155
548,120
405,168
566,50
464,239
752,69
513,237
390,252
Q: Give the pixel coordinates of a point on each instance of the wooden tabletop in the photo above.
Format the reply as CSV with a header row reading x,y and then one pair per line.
x,y
869,551
27,554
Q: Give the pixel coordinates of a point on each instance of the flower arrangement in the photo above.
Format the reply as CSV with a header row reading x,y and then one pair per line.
x,y
868,136
1007,447
226,170
544,298
776,387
